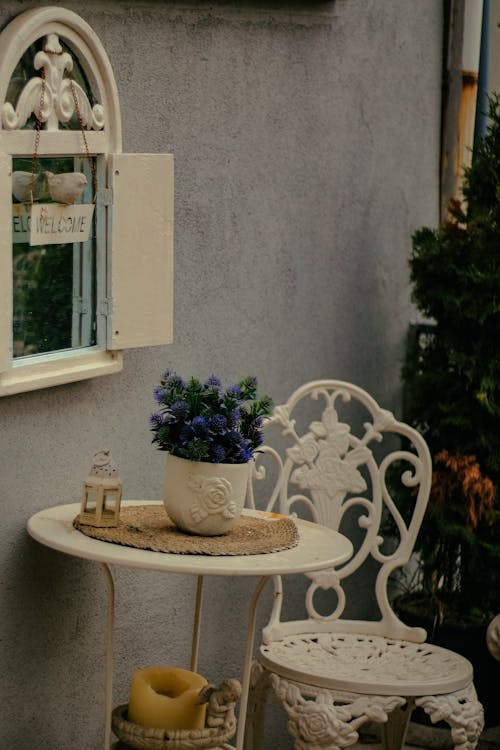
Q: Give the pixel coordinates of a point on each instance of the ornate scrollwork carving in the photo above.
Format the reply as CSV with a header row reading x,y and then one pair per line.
x,y
327,465
58,99
320,718
345,656
337,473
461,710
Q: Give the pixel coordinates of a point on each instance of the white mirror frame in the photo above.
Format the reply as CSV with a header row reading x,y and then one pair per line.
x,y
138,304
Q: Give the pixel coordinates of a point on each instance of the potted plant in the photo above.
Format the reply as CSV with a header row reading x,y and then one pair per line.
x,y
210,435
452,396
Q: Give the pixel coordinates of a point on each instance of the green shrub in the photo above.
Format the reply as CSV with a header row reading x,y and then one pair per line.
x,y
452,388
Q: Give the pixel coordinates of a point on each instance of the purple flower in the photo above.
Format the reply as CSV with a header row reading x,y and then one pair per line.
x,y
217,453
199,425
233,437
156,420
212,382
193,430
172,381
234,391
202,421
160,419
217,423
179,409
244,455
159,393
233,418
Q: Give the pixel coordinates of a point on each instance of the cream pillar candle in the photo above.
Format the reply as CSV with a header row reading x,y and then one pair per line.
x,y
165,698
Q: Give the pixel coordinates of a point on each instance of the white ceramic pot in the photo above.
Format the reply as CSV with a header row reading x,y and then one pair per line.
x,y
204,498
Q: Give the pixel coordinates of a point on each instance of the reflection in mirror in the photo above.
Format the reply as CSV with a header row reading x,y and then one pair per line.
x,y
54,285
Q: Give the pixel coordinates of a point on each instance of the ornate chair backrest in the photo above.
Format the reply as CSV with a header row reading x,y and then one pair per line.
x,y
352,476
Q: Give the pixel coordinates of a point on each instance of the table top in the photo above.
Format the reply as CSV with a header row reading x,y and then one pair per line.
x,y
318,548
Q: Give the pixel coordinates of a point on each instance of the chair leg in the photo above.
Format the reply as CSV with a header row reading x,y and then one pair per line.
x,y
395,728
255,720
329,719
461,710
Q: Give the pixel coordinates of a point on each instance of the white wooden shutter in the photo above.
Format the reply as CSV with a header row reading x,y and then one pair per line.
x,y
6,262
140,226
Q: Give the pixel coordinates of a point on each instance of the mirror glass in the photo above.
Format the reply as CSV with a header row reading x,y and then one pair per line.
x,y
54,285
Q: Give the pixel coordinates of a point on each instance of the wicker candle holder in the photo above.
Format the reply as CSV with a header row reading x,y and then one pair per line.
x,y
220,724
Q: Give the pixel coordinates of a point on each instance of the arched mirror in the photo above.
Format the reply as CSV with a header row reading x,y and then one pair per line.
x,y
77,287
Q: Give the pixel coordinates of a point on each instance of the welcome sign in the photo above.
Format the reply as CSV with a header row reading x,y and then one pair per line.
x,y
56,223
51,223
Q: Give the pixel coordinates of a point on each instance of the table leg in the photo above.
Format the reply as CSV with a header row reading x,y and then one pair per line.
x,y
247,667
196,625
110,621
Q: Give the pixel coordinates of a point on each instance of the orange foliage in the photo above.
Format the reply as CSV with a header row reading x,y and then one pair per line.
x,y
458,475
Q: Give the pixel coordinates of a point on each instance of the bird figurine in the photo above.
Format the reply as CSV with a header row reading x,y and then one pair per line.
x,y
66,187
21,182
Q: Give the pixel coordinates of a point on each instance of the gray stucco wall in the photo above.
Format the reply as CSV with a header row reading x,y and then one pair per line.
x,y
306,142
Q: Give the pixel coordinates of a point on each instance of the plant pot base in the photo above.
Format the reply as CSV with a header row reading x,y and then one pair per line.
x,y
203,498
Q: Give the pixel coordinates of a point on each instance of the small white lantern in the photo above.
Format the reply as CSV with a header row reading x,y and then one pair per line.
x,y
102,492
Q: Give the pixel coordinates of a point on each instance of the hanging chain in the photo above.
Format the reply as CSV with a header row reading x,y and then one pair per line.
x,y
38,125
80,120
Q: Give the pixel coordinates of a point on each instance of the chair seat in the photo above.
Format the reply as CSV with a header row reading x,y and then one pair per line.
x,y
367,664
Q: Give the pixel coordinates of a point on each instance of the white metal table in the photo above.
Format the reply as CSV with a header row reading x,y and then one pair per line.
x,y
318,548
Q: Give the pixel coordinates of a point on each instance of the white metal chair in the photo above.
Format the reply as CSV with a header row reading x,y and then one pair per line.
x,y
331,671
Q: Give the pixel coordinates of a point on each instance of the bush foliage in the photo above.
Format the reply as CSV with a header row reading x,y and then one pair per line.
x,y
452,385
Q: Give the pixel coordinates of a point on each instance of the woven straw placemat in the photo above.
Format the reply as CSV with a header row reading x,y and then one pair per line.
x,y
149,527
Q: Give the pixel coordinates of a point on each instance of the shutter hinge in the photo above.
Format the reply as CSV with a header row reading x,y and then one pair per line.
x,y
106,307
106,196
